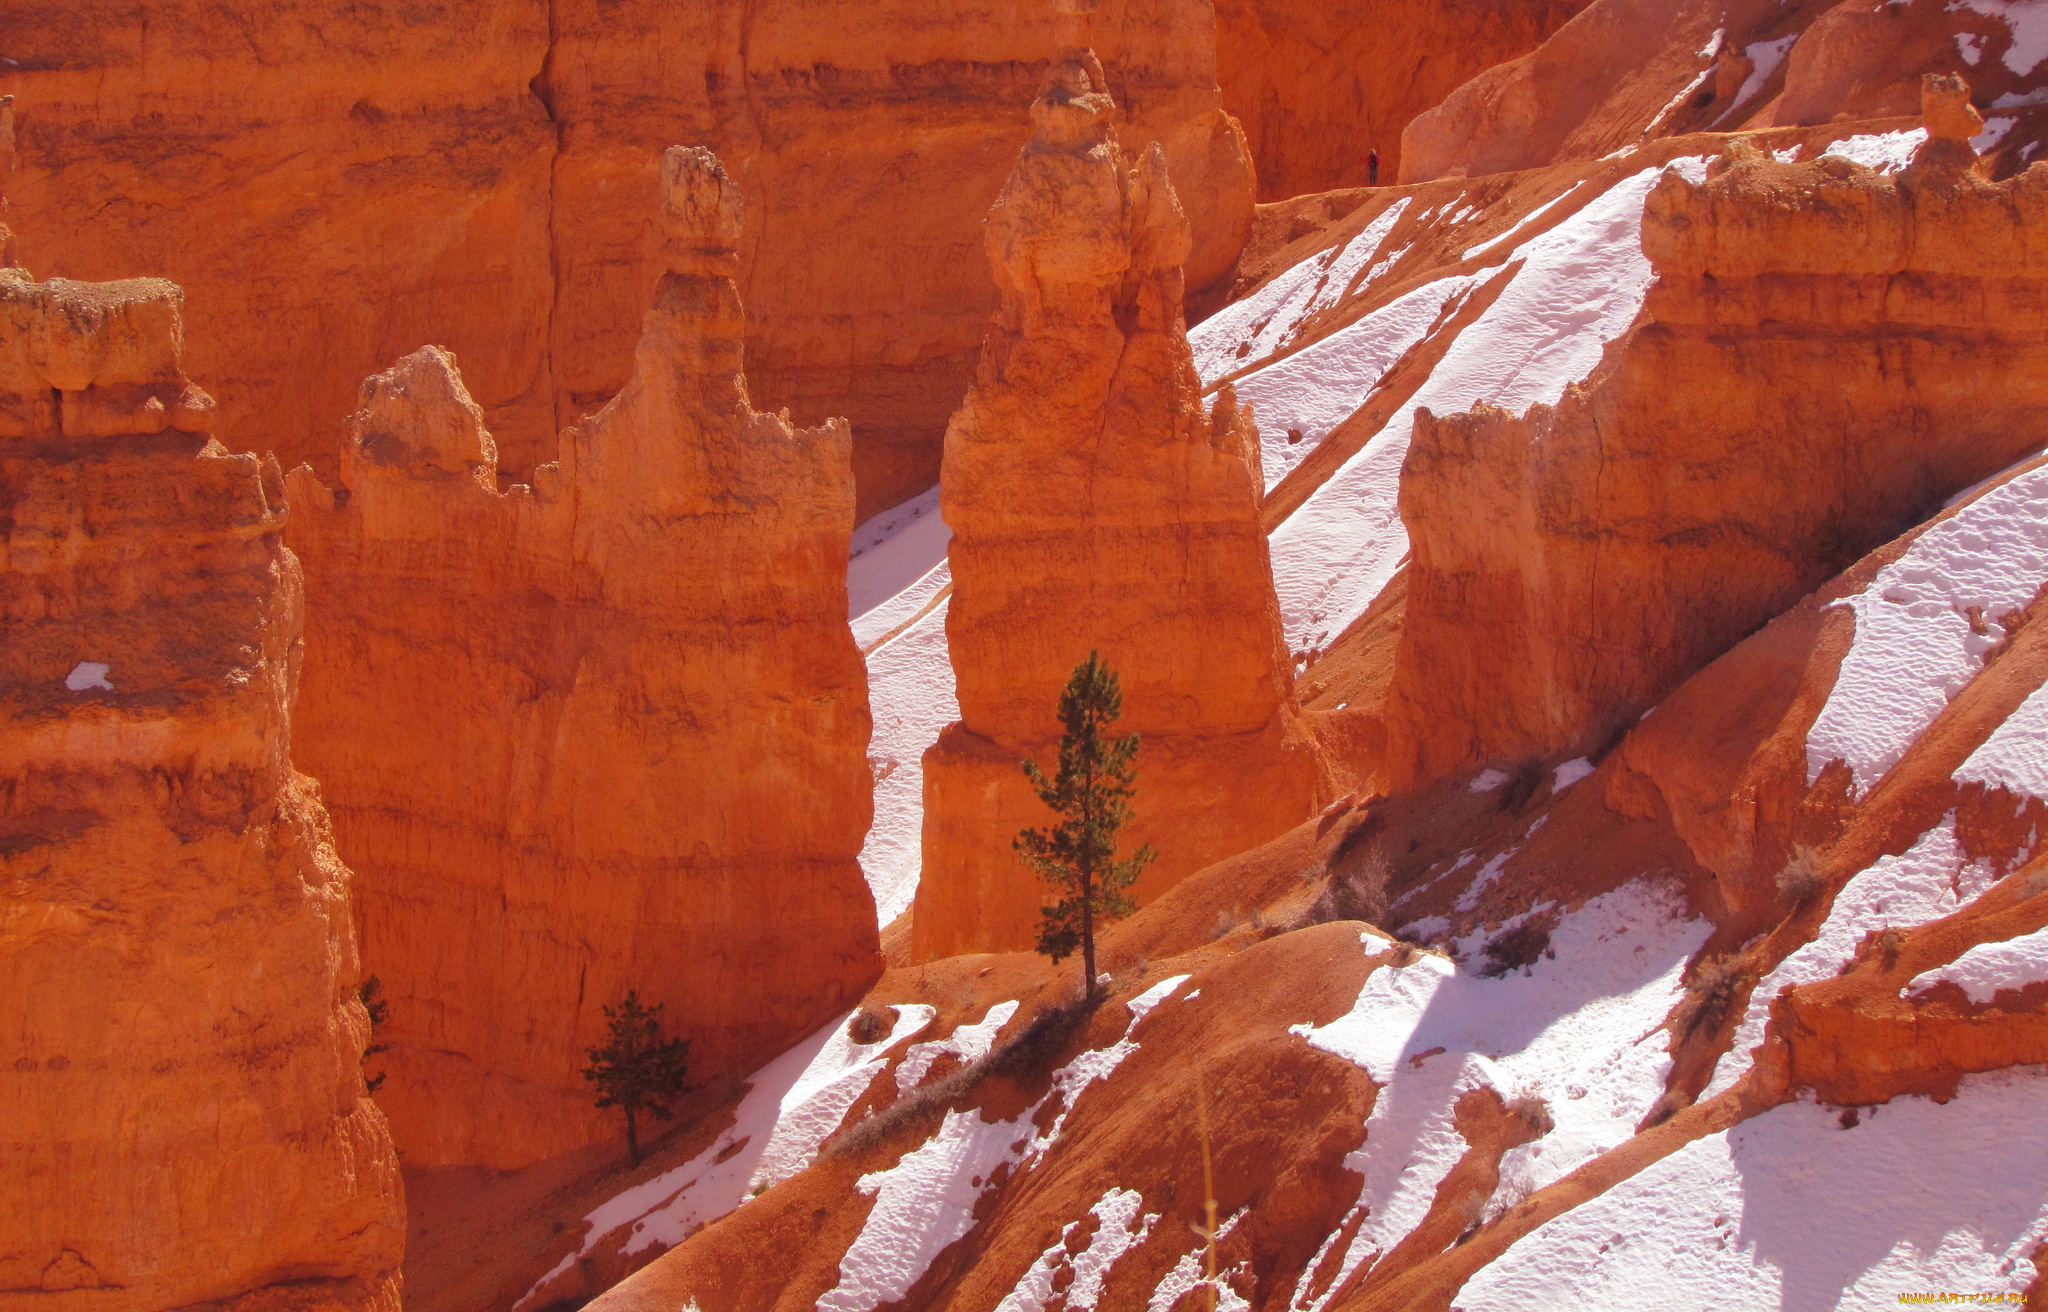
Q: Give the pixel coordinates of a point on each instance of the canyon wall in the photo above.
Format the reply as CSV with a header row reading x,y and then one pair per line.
x,y
1097,504
379,175
604,732
1828,352
1318,85
186,1121
1625,71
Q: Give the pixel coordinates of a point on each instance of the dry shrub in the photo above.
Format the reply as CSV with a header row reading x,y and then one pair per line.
x,y
1521,946
1799,881
1709,997
1355,889
869,1024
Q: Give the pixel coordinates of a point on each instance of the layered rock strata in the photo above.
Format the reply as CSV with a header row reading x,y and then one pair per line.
x,y
186,1121
1826,354
1318,85
605,732
326,175
1096,504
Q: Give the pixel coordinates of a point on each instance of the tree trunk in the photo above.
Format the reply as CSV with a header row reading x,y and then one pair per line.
x,y
1088,932
632,1138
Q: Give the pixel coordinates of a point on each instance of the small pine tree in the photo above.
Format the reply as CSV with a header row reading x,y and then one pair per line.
x,y
378,1008
637,1070
1092,791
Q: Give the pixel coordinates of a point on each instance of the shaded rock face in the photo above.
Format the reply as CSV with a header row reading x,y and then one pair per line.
x,y
475,174
634,721
185,1119
1095,504
1318,85
1827,353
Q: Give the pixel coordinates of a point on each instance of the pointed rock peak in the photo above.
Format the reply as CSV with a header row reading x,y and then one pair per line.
x,y
701,212
1946,109
1160,236
1074,107
417,415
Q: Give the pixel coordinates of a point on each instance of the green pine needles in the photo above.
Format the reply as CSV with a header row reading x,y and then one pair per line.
x,y
1091,792
637,1070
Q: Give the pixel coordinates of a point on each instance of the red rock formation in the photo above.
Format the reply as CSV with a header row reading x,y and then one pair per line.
x,y
185,1120
605,732
1827,353
382,174
1318,85
1096,505
1624,71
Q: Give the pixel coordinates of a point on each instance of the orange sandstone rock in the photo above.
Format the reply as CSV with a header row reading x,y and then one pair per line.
x,y
185,1118
1827,353
602,733
1318,85
380,174
1096,504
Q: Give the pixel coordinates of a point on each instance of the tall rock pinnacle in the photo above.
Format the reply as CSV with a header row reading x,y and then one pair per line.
x,y
1097,504
634,722
185,1118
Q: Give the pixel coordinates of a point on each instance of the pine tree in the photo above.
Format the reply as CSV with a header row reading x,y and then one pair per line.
x,y
637,1070
1092,791
378,1008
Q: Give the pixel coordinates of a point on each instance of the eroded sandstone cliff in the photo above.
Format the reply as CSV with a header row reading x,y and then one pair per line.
x,y
186,1120
601,733
377,175
1097,503
1828,352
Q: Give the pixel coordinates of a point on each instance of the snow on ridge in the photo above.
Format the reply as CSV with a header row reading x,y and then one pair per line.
x,y
911,695
1887,152
1985,969
2028,22
792,1104
2015,756
1267,319
1924,625
1119,1228
893,550
1578,286
926,1200
1931,879
1578,1031
1792,1210
970,1043
1764,58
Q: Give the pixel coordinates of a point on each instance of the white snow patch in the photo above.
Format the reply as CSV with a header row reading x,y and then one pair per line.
x,y
1269,318
1970,46
1317,388
894,550
1185,1277
791,1105
1790,1210
910,692
2028,21
1578,1031
2015,756
1119,1228
2021,99
1523,224
1764,58
87,675
970,1043
1926,882
1713,46
1578,286
926,1201
1993,133
1570,773
1916,643
1985,969
1887,152
1488,780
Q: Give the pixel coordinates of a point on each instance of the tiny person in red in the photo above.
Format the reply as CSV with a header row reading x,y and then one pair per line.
x,y
1372,168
